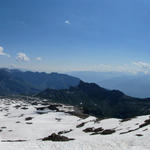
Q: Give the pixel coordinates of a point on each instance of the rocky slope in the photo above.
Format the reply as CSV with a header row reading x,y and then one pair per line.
x,y
98,101
35,125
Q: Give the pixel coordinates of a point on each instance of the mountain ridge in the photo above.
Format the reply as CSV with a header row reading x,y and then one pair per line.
x,y
19,82
98,101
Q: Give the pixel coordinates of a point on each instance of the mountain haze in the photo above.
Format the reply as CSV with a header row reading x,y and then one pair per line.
x,y
136,85
19,82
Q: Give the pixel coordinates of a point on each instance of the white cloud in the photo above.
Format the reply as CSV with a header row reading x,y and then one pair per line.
x,y
134,68
67,22
105,68
39,58
13,66
142,64
142,67
2,52
22,57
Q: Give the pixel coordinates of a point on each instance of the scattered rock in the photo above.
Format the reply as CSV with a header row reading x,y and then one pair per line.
x,y
53,107
129,131
17,121
29,123
45,103
78,114
146,122
64,132
145,129
10,130
55,137
40,108
88,130
21,115
24,108
17,106
95,131
80,125
98,129
126,119
34,103
107,131
58,119
139,135
13,140
3,127
98,120
28,118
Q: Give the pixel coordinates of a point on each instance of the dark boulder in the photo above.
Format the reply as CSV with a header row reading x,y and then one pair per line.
x,y
55,137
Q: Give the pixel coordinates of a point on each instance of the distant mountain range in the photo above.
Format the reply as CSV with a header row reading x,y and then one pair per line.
x,y
20,82
66,89
98,101
136,85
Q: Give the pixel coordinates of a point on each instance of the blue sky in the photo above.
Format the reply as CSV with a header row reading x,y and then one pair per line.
x,y
68,35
